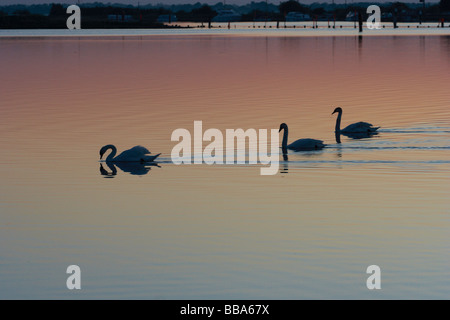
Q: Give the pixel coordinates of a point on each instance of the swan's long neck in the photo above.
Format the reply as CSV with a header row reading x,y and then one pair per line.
x,y
285,138
338,123
113,152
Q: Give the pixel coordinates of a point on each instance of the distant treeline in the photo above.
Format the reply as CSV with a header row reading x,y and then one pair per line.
x,y
98,15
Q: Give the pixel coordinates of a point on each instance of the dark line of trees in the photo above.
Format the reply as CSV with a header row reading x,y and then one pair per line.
x,y
96,15
444,5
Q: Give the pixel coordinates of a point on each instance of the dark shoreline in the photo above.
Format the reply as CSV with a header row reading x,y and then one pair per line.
x,y
54,16
44,22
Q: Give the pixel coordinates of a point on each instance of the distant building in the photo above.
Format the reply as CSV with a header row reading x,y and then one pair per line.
x,y
165,18
120,17
351,16
297,16
227,16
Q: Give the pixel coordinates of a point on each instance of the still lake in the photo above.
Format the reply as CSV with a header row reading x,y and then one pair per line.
x,y
224,231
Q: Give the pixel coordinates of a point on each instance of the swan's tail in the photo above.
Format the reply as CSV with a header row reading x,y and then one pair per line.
x,y
150,158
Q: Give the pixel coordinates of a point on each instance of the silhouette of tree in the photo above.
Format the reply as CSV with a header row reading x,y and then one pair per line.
x,y
318,11
57,10
292,6
204,13
22,12
399,6
444,5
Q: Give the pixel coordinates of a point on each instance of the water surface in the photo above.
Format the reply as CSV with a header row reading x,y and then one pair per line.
x,y
224,231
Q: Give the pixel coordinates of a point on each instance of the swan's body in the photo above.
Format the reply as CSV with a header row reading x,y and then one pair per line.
x,y
135,154
306,144
358,127
300,144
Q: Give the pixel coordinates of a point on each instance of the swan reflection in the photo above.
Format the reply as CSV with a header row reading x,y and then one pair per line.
x,y
134,168
106,173
339,149
359,135
337,135
285,168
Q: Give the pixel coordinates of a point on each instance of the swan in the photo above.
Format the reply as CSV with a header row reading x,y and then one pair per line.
x,y
300,144
135,154
358,127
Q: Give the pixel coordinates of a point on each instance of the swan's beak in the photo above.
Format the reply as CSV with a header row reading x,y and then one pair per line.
x,y
334,112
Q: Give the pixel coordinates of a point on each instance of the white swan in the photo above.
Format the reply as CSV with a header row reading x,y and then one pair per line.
x,y
358,127
300,144
135,154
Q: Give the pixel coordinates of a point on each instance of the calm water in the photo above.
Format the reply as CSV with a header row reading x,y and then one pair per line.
x,y
224,231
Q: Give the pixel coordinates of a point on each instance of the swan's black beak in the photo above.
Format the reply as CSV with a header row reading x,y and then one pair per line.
x,y
280,129
338,110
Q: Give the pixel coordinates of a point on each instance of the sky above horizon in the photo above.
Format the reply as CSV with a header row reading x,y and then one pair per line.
x,y
154,2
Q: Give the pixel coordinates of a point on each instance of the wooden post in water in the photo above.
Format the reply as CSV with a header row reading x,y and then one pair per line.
x,y
395,18
360,21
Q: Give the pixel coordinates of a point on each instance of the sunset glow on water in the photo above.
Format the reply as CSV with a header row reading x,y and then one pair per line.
x,y
224,231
